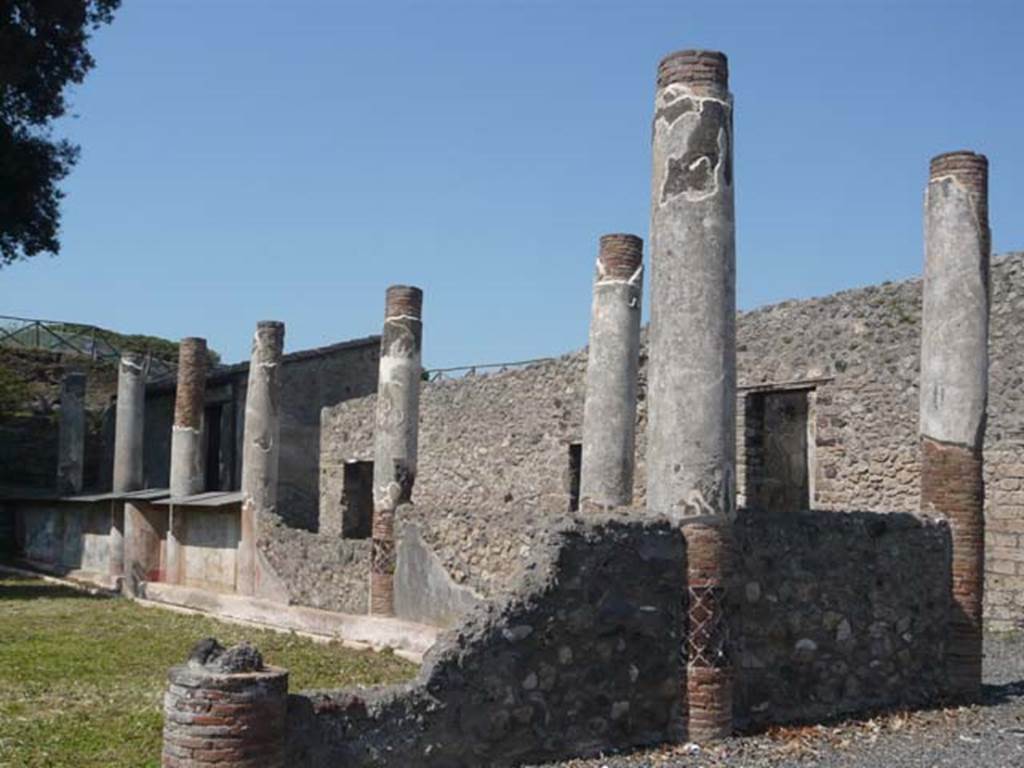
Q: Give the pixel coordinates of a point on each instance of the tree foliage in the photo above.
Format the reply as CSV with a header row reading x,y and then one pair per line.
x,y
43,49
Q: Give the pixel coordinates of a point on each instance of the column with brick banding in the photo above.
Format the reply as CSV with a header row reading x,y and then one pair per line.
x,y
613,356
261,449
954,390
187,476
128,433
71,435
691,396
396,433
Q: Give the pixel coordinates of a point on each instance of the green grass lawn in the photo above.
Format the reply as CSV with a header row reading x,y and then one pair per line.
x,y
81,677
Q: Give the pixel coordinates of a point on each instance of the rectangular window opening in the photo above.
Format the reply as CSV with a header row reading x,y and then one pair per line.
x,y
357,500
777,450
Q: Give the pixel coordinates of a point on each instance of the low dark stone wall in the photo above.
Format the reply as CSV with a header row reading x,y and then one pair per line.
x,y
837,612
831,613
582,657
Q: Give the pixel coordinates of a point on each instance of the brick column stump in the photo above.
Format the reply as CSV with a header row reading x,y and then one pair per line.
x,y
225,714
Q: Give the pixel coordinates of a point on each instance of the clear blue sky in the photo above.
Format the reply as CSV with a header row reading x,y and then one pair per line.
x,y
246,159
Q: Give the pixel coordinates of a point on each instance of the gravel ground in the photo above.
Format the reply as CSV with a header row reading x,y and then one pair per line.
x,y
989,735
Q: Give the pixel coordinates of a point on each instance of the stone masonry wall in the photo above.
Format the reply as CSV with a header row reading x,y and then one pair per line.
x,y
837,612
500,443
831,613
581,657
319,571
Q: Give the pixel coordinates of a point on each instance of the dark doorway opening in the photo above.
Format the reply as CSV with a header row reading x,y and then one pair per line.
x,y
575,465
357,500
778,466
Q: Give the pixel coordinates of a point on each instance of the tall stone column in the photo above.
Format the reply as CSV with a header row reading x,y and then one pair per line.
x,y
187,476
71,436
128,433
396,433
261,448
954,390
609,410
129,423
691,397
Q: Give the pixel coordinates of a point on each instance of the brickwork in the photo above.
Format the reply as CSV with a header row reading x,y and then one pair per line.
x,y
709,702
218,720
709,672
188,401
382,563
971,170
695,68
951,486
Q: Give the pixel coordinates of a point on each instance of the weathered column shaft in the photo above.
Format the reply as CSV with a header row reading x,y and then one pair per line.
x,y
129,423
396,433
71,437
954,389
187,476
692,381
609,410
261,448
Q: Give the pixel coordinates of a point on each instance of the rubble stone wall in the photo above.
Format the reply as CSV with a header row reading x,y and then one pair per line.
x,y
318,570
499,444
838,612
831,613
583,656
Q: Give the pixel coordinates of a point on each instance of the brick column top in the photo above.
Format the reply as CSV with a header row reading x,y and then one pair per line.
x,y
620,256
705,72
188,399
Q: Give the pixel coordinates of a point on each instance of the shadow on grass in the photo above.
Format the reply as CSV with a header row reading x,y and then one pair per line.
x,y
26,588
